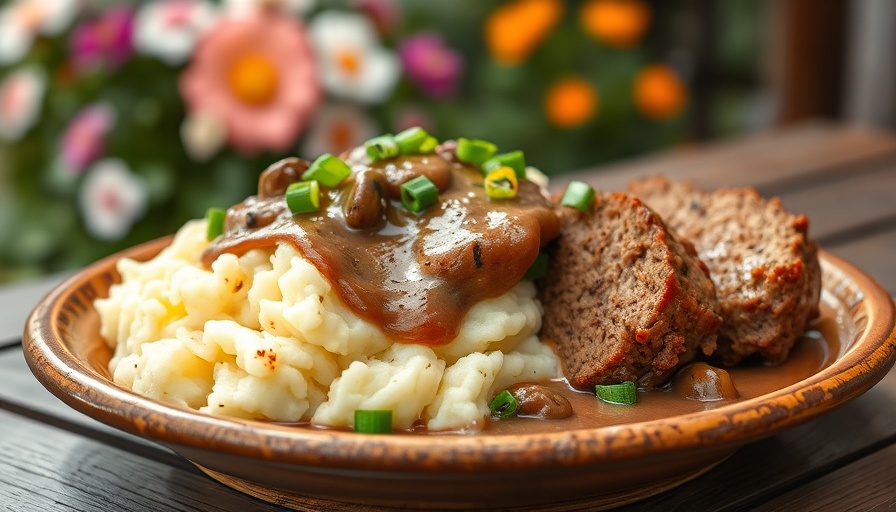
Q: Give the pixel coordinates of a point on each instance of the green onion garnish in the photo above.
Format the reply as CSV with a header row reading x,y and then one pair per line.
x,y
382,147
419,194
327,169
623,393
410,140
515,160
215,218
475,151
429,145
373,421
303,197
578,195
504,405
501,183
538,268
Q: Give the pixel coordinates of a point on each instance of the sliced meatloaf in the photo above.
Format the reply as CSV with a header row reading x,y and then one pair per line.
x,y
759,256
624,298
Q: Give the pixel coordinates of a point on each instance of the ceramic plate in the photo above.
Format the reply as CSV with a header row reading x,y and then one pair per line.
x,y
338,470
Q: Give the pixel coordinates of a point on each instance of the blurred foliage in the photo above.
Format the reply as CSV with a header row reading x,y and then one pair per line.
x,y
42,205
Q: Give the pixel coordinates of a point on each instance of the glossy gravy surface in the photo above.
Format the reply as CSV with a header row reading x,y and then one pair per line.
x,y
817,349
414,275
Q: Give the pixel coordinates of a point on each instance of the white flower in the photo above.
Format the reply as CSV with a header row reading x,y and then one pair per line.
x,y
294,7
203,134
169,29
353,63
22,20
337,128
21,96
112,199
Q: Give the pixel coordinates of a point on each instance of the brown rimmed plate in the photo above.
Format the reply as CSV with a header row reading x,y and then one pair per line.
x,y
337,470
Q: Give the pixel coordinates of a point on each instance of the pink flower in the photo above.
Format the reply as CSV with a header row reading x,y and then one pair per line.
x,y
105,41
112,198
21,96
434,67
257,74
84,139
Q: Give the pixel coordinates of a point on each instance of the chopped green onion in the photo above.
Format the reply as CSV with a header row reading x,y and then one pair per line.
x,y
429,145
410,140
215,218
327,169
515,160
501,183
538,268
578,195
373,421
382,147
419,194
623,393
303,197
504,405
475,151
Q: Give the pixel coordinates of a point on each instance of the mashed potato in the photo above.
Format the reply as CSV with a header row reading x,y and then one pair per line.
x,y
264,336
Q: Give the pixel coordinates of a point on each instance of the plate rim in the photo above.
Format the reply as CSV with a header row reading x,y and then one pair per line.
x,y
730,426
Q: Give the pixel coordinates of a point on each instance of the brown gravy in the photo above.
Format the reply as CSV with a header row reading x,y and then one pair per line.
x,y
817,349
415,276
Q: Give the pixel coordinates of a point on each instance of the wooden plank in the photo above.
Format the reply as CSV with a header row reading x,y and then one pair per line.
x,y
16,303
875,255
836,207
47,469
765,469
767,159
870,484
22,393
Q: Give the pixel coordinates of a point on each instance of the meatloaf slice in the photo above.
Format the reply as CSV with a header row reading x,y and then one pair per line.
x,y
759,255
624,298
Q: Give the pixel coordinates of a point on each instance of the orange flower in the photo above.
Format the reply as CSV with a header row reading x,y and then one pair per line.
x,y
570,102
659,93
619,23
514,30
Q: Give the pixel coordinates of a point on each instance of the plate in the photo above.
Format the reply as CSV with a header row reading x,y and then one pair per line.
x,y
338,470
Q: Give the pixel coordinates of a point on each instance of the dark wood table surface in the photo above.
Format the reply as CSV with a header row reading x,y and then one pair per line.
x,y
55,459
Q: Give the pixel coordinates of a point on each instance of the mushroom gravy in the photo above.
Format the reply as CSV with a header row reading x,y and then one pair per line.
x,y
413,275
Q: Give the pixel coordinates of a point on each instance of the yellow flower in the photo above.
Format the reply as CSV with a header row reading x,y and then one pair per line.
x,y
514,30
570,102
619,23
659,93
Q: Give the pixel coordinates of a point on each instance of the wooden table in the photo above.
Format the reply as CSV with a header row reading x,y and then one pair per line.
x,y
53,458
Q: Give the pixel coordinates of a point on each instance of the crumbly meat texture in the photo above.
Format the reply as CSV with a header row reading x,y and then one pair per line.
x,y
624,298
764,266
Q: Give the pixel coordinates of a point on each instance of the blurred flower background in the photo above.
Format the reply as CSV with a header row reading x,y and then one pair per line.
x,y
119,121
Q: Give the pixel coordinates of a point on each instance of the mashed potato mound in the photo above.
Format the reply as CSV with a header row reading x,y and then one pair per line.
x,y
264,336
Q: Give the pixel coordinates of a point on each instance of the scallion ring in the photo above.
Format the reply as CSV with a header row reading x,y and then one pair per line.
x,y
381,148
419,194
578,195
428,146
410,140
303,197
623,393
373,421
516,160
475,151
538,268
328,170
504,405
215,220
501,183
